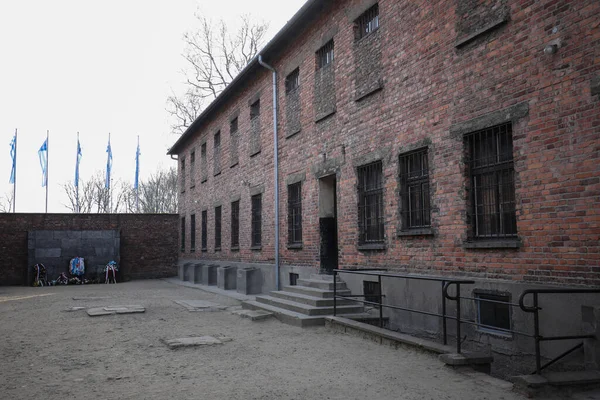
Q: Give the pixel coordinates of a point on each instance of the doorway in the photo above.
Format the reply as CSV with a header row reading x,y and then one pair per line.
x,y
328,224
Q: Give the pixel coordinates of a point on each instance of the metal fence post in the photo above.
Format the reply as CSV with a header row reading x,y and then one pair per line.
x,y
458,318
536,327
380,304
444,314
334,292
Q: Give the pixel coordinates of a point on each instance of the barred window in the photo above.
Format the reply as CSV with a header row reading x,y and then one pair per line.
x,y
193,232
182,183
218,228
295,213
491,170
255,109
182,234
235,224
192,168
256,220
204,163
325,55
292,81
204,230
217,154
233,150
367,23
414,190
370,203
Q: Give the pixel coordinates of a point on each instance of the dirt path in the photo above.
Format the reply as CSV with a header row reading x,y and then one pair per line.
x,y
48,353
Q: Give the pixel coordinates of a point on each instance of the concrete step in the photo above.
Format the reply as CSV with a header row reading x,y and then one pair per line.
x,y
286,316
320,284
315,292
310,300
305,308
323,277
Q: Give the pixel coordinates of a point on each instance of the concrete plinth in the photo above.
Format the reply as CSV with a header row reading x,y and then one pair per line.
x,y
227,277
248,281
186,271
591,326
209,274
196,273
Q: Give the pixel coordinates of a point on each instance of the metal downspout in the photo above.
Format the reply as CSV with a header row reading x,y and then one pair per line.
x,y
276,167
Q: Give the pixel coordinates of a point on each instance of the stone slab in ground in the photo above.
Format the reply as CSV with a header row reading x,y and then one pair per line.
x,y
254,315
75,309
109,310
195,341
90,298
200,305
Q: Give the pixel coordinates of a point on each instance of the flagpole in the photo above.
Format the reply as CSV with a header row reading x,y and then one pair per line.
x,y
15,182
109,180
47,164
137,176
77,173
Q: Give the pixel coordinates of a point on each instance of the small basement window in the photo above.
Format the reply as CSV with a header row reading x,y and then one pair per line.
x,y
493,313
372,291
293,279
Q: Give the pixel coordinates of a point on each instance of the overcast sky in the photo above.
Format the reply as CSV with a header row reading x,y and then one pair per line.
x,y
96,67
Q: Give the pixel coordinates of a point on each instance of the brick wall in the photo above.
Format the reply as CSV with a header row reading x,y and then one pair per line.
x,y
148,242
438,68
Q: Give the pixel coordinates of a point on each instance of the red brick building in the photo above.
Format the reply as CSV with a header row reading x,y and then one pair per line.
x,y
439,137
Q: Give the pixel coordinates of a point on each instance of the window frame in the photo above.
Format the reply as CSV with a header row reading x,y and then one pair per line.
x,y
192,168
410,178
182,170
292,81
367,23
295,213
255,110
234,142
204,162
182,244
494,298
256,222
365,206
325,55
218,227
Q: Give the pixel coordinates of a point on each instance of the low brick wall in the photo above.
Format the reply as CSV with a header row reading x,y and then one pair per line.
x,y
149,242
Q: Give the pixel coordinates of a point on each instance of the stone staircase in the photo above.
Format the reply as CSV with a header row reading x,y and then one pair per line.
x,y
308,302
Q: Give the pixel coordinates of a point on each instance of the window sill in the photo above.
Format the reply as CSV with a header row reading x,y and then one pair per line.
x,y
217,249
368,35
192,250
255,153
204,250
494,244
183,191
235,248
204,181
258,248
295,246
217,173
368,92
371,246
325,115
416,232
233,165
500,20
294,133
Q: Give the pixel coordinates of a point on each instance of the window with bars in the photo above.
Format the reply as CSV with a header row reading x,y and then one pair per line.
x,y
294,279
217,153
367,23
193,232
204,230
493,312
233,150
295,213
204,163
182,234
414,190
292,81
217,228
235,224
370,203
192,169
491,173
256,224
255,109
372,291
182,183
325,55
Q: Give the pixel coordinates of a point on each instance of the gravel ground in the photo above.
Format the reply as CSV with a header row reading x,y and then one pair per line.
x,y
49,353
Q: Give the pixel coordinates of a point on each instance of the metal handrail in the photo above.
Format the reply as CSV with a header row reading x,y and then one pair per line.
x,y
446,282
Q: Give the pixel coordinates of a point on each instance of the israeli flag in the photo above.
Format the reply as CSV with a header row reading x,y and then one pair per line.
x,y
137,167
43,154
77,164
108,165
13,156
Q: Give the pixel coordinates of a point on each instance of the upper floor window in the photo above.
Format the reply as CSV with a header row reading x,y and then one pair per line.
x,y
204,163
235,224
217,153
255,109
292,81
182,234
182,182
204,230
491,174
414,190
233,142
325,55
193,232
370,203
192,168
367,23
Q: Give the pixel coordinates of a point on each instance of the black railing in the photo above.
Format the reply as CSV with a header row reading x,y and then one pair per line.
x,y
535,308
445,283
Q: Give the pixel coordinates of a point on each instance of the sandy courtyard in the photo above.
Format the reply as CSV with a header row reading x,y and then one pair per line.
x,y
50,353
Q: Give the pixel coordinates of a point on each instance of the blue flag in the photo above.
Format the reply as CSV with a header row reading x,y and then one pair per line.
x,y
43,154
13,155
137,166
77,163
108,164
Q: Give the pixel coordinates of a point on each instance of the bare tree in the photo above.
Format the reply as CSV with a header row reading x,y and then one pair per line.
x,y
6,203
214,55
158,194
